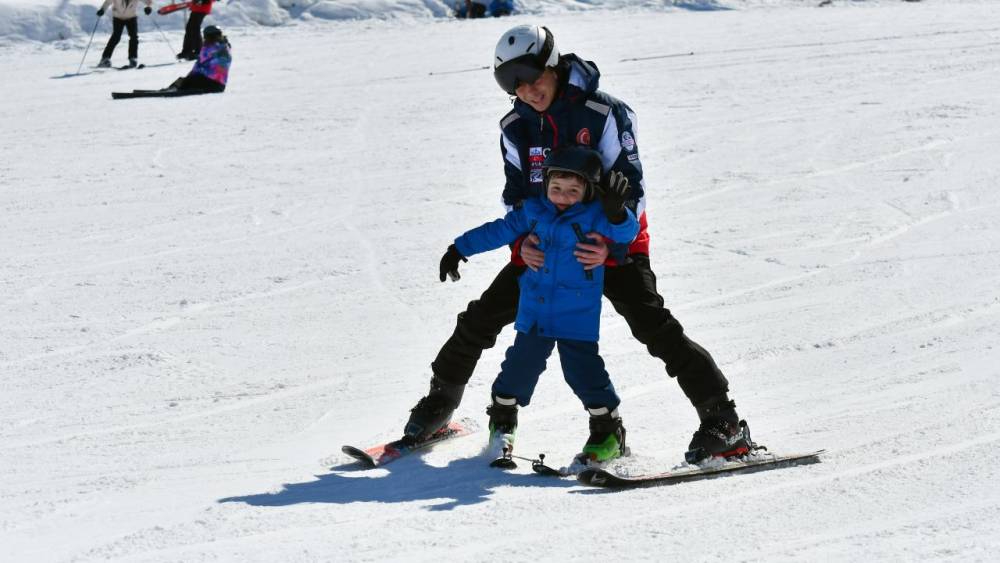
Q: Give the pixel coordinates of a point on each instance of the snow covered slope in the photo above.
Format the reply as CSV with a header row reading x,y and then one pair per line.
x,y
202,299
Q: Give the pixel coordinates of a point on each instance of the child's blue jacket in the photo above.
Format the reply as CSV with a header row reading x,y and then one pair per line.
x,y
558,299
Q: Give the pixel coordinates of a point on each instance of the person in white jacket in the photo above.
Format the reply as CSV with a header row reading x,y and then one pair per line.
x,y
124,16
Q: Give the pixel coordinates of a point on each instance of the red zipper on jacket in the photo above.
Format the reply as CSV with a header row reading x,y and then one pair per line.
x,y
555,128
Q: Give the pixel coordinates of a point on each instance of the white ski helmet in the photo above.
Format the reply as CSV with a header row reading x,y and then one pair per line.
x,y
522,54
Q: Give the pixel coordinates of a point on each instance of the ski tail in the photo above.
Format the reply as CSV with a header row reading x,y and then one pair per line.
x,y
388,452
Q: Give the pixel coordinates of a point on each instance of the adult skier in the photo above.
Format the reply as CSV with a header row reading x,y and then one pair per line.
x,y
192,31
123,16
557,103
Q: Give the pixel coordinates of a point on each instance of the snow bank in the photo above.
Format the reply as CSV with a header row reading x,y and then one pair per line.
x,y
56,20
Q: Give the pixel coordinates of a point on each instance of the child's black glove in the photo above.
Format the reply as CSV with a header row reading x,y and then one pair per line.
x,y
613,190
449,263
148,10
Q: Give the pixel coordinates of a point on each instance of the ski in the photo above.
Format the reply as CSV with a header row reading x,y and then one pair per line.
x,y
749,464
580,463
154,94
171,8
377,456
127,67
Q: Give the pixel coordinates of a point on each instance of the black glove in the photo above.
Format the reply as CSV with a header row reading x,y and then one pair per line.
x,y
148,10
613,190
449,263
100,12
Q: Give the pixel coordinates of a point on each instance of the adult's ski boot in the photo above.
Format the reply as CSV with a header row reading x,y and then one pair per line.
x,y
721,433
503,424
433,412
607,437
132,63
105,63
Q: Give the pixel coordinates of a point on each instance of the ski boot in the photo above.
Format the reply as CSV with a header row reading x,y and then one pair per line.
x,y
503,424
721,433
105,63
607,437
434,411
132,63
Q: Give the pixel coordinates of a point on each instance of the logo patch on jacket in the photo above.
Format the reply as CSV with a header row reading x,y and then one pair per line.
x,y
583,137
628,142
536,159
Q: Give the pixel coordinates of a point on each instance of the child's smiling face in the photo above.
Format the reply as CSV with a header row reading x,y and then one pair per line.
x,y
565,190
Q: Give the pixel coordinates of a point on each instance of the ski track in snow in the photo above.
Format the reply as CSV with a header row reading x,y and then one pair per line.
x,y
190,335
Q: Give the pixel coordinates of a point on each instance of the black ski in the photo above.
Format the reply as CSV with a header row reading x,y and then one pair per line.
x,y
153,94
750,464
127,67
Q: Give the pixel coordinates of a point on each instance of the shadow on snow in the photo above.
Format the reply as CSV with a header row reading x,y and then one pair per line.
x,y
463,482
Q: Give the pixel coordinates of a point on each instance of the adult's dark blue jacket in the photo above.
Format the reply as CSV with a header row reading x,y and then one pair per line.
x,y
580,115
558,299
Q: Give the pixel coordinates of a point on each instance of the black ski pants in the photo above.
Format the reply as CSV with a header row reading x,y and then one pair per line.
x,y
192,34
631,288
117,26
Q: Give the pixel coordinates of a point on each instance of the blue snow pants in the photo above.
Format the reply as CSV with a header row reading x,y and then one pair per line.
x,y
582,367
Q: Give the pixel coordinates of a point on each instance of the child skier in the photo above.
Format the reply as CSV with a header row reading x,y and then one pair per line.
x,y
123,14
560,303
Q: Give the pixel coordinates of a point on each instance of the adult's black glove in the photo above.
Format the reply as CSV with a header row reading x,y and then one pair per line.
x,y
449,263
100,12
613,190
148,10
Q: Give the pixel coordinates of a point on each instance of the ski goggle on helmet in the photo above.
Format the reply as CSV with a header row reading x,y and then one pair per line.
x,y
521,56
581,161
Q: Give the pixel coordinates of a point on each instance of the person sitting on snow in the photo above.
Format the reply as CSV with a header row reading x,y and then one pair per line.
x,y
208,76
211,71
560,303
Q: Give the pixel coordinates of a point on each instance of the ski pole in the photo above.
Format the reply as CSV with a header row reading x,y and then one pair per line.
x,y
169,46
88,45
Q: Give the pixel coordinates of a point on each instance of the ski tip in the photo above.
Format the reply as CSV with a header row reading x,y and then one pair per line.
x,y
503,463
360,456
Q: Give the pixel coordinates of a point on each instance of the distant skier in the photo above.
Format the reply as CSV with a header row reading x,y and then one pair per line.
x,y
123,16
557,102
208,76
192,31
468,9
560,304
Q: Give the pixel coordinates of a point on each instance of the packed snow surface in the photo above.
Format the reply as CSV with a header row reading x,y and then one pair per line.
x,y
204,298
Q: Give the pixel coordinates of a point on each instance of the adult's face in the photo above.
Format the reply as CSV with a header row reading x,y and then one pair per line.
x,y
540,93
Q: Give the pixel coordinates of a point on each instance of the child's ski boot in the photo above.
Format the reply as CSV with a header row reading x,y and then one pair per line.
x,y
503,424
607,437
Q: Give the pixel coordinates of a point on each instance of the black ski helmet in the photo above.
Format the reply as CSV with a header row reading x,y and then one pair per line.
x,y
212,33
578,160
